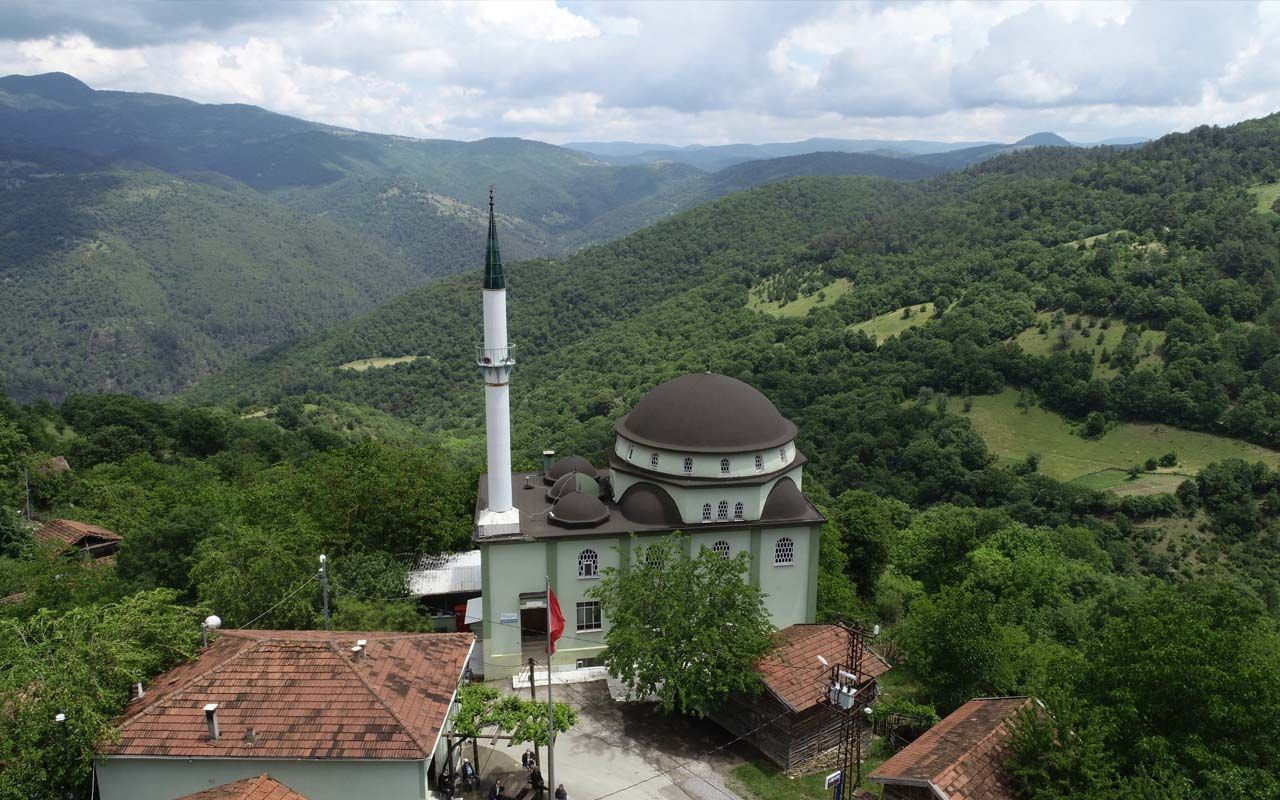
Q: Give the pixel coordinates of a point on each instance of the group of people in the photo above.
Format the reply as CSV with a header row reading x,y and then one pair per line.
x,y
470,779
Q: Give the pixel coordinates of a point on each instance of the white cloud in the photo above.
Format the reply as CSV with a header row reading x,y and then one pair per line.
x,y
682,72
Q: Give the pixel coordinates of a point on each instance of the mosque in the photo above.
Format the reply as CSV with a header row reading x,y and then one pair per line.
x,y
704,454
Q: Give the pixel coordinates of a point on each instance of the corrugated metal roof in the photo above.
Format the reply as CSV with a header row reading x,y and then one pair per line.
x,y
448,573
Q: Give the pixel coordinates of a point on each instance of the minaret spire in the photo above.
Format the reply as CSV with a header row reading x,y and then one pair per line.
x,y
499,516
493,277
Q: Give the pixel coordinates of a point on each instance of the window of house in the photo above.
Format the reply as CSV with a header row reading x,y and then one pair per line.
x,y
759,463
737,510
784,552
724,466
706,512
688,465
721,548
653,460
722,512
588,564
589,616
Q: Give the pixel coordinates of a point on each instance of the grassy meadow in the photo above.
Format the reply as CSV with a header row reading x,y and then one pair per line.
x,y
1103,463
1092,339
887,326
1267,194
803,304
377,362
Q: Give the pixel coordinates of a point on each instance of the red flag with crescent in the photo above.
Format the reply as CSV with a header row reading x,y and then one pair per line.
x,y
555,622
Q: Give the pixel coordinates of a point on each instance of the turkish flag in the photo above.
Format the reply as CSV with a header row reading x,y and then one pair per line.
x,y
555,619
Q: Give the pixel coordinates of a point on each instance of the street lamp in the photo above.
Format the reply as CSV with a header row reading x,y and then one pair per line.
x,y
211,623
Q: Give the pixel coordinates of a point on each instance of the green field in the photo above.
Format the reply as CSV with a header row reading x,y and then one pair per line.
x,y
1088,240
1035,343
887,326
761,780
377,362
801,305
1267,194
1012,434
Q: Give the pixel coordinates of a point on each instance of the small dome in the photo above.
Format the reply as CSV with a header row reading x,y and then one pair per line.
x,y
650,505
574,482
706,413
567,465
785,501
578,510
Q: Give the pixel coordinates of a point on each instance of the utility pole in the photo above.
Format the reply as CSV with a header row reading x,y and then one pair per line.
x,y
848,693
26,485
324,588
551,711
533,695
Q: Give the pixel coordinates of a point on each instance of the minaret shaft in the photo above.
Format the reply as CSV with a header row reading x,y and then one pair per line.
x,y
495,362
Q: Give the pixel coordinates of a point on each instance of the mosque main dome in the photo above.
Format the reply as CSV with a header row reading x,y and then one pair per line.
x,y
706,413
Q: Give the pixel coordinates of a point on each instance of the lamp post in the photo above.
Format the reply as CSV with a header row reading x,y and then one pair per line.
x,y
210,623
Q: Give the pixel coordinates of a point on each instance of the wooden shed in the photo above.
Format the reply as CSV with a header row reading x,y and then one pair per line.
x,y
788,722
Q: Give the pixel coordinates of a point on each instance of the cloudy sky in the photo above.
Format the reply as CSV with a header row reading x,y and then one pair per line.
x,y
679,72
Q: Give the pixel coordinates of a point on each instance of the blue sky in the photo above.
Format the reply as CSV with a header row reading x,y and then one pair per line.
x,y
680,72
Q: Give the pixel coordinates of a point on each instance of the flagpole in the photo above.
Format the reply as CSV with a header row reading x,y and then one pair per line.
x,y
551,714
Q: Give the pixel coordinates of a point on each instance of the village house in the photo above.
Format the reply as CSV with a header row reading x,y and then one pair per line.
x,y
263,787
330,715
704,454
80,539
789,722
960,758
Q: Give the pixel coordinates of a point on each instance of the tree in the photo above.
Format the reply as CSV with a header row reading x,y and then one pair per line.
x,y
13,452
15,538
252,577
687,629
866,523
480,706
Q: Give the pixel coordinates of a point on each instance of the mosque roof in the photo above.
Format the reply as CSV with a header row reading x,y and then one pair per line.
x,y
706,413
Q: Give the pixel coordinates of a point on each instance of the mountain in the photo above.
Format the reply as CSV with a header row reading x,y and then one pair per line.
x,y
1043,139
717,157
967,157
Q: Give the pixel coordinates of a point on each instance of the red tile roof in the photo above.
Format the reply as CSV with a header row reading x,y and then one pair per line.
x,y
962,757
792,670
303,694
71,533
263,787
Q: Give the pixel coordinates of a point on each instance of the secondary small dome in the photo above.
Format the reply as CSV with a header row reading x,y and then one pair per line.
x,y
649,505
574,482
567,465
708,413
578,510
785,501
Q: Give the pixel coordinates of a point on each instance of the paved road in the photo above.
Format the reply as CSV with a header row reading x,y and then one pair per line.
x,y
626,752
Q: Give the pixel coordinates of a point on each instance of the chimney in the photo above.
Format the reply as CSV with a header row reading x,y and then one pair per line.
x,y
211,717
138,691
358,649
548,460
250,736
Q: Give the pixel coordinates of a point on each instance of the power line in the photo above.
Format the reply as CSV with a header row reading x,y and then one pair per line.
x,y
292,592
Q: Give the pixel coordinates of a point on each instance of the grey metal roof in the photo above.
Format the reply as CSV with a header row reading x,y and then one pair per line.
x,y
706,413
447,573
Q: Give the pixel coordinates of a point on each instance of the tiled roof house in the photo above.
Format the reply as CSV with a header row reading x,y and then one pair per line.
x,y
331,714
787,721
90,541
263,787
960,758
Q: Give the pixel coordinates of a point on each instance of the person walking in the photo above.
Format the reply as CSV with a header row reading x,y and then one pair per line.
x,y
495,791
528,760
561,794
536,782
468,775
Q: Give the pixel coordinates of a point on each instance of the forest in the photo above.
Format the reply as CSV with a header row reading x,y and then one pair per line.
x,y
1148,624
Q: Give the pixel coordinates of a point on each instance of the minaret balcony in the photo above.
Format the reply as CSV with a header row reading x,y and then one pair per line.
x,y
494,357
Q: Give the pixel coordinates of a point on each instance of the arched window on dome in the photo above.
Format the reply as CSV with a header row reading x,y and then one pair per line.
x,y
784,552
688,465
782,454
653,460
706,512
722,511
759,463
631,451
737,510
724,466
588,564
721,548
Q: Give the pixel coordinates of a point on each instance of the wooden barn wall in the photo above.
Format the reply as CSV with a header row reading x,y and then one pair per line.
x,y
741,714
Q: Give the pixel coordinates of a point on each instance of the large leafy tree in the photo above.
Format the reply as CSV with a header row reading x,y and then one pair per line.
x,y
686,628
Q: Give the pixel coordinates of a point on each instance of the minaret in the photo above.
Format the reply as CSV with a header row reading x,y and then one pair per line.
x,y
495,361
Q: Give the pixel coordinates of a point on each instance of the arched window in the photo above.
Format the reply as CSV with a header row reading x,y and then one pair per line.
x,y
630,451
588,564
724,466
784,552
706,512
721,548
782,454
759,463
688,465
737,510
653,460
722,512
653,555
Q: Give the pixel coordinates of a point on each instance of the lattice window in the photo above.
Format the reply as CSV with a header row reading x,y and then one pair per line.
x,y
653,460
588,564
631,451
722,511
782,454
724,466
688,465
706,512
784,552
589,616
721,548
759,463
737,510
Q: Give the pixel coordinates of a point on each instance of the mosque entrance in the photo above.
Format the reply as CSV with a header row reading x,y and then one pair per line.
x,y
533,627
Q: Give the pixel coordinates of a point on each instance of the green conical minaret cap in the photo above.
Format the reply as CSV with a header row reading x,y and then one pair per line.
x,y
493,277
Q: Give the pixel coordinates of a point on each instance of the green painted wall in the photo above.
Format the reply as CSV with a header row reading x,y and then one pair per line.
x,y
786,587
167,778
